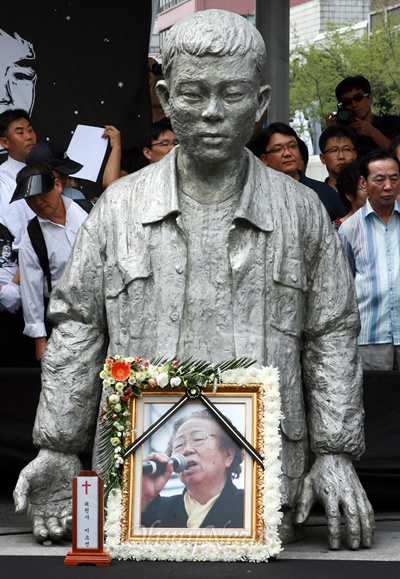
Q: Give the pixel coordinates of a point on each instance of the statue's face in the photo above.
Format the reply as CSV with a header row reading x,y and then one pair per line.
x,y
213,103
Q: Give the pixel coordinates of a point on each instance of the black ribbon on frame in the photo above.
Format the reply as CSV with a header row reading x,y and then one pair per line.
x,y
154,427
193,393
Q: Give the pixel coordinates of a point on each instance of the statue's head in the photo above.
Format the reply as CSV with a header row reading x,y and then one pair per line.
x,y
212,63
215,33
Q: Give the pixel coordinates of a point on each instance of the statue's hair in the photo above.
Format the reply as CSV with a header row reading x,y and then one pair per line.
x,y
214,33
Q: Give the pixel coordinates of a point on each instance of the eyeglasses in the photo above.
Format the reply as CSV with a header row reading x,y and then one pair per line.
x,y
165,143
197,439
337,150
291,148
357,98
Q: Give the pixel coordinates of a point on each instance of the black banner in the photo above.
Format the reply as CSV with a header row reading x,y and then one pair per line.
x,y
75,63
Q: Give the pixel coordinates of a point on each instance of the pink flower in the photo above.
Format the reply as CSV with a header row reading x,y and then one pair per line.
x,y
146,364
152,382
175,364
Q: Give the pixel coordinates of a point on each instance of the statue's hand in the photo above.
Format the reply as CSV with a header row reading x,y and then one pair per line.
x,y
333,482
44,490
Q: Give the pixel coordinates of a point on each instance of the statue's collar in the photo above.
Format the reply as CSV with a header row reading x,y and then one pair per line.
x,y
162,199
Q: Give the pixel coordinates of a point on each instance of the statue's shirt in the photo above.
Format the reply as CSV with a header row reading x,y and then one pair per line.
x,y
207,310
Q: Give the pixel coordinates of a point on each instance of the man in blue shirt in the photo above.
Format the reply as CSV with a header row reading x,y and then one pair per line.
x,y
371,238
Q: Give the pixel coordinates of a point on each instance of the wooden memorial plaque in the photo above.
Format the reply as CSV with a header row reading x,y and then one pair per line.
x,y
87,521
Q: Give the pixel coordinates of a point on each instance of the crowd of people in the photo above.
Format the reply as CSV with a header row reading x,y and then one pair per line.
x,y
343,145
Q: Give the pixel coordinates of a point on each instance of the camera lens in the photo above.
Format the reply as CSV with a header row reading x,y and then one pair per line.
x,y
345,116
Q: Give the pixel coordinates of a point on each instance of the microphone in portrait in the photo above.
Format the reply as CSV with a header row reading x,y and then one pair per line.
x,y
152,466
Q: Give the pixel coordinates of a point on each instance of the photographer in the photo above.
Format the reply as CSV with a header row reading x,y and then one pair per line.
x,y
355,100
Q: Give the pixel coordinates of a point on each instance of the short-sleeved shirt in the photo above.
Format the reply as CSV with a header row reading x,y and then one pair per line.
x,y
373,250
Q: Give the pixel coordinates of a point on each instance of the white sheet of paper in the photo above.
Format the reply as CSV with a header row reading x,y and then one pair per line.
x,y
88,148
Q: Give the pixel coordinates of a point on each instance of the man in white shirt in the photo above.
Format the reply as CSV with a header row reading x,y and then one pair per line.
x,y
18,138
59,219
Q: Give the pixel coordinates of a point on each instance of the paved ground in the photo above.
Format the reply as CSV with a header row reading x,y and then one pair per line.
x,y
16,539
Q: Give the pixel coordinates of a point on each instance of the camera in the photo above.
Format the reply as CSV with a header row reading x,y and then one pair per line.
x,y
345,116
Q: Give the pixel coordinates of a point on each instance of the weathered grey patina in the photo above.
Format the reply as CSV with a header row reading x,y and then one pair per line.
x,y
288,296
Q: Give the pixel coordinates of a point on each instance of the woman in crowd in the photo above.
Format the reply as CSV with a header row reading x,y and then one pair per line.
x,y
351,194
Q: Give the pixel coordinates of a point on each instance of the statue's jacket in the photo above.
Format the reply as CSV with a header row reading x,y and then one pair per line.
x,y
294,306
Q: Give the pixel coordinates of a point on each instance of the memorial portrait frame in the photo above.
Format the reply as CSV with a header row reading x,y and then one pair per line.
x,y
256,393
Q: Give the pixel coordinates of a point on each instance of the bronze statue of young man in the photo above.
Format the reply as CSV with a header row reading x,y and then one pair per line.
x,y
210,251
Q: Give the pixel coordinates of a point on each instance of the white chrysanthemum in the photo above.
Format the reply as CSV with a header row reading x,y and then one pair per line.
x,y
140,377
258,553
228,376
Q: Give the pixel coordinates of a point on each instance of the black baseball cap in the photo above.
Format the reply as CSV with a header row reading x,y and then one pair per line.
x,y
54,155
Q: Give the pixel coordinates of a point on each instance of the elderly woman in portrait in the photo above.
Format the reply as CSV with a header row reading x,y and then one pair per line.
x,y
210,499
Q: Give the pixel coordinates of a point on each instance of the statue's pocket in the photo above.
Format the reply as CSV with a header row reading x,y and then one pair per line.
x,y
289,297
124,272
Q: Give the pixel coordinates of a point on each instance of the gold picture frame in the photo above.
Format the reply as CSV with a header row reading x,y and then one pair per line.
x,y
254,410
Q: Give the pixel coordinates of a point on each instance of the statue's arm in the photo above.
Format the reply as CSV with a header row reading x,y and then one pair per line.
x,y
332,378
332,372
70,393
75,353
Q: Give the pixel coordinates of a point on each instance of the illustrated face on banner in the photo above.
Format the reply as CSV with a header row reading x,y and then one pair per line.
x,y
17,78
7,255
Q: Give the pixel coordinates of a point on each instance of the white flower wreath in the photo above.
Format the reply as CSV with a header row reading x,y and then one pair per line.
x,y
212,550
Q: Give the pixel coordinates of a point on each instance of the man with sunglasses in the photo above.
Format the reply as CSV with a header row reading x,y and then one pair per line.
x,y
373,131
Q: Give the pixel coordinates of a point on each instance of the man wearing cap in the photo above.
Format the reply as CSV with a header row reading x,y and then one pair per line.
x,y
54,155
59,219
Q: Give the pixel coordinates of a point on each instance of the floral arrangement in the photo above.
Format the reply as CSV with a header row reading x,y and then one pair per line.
x,y
206,550
124,378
